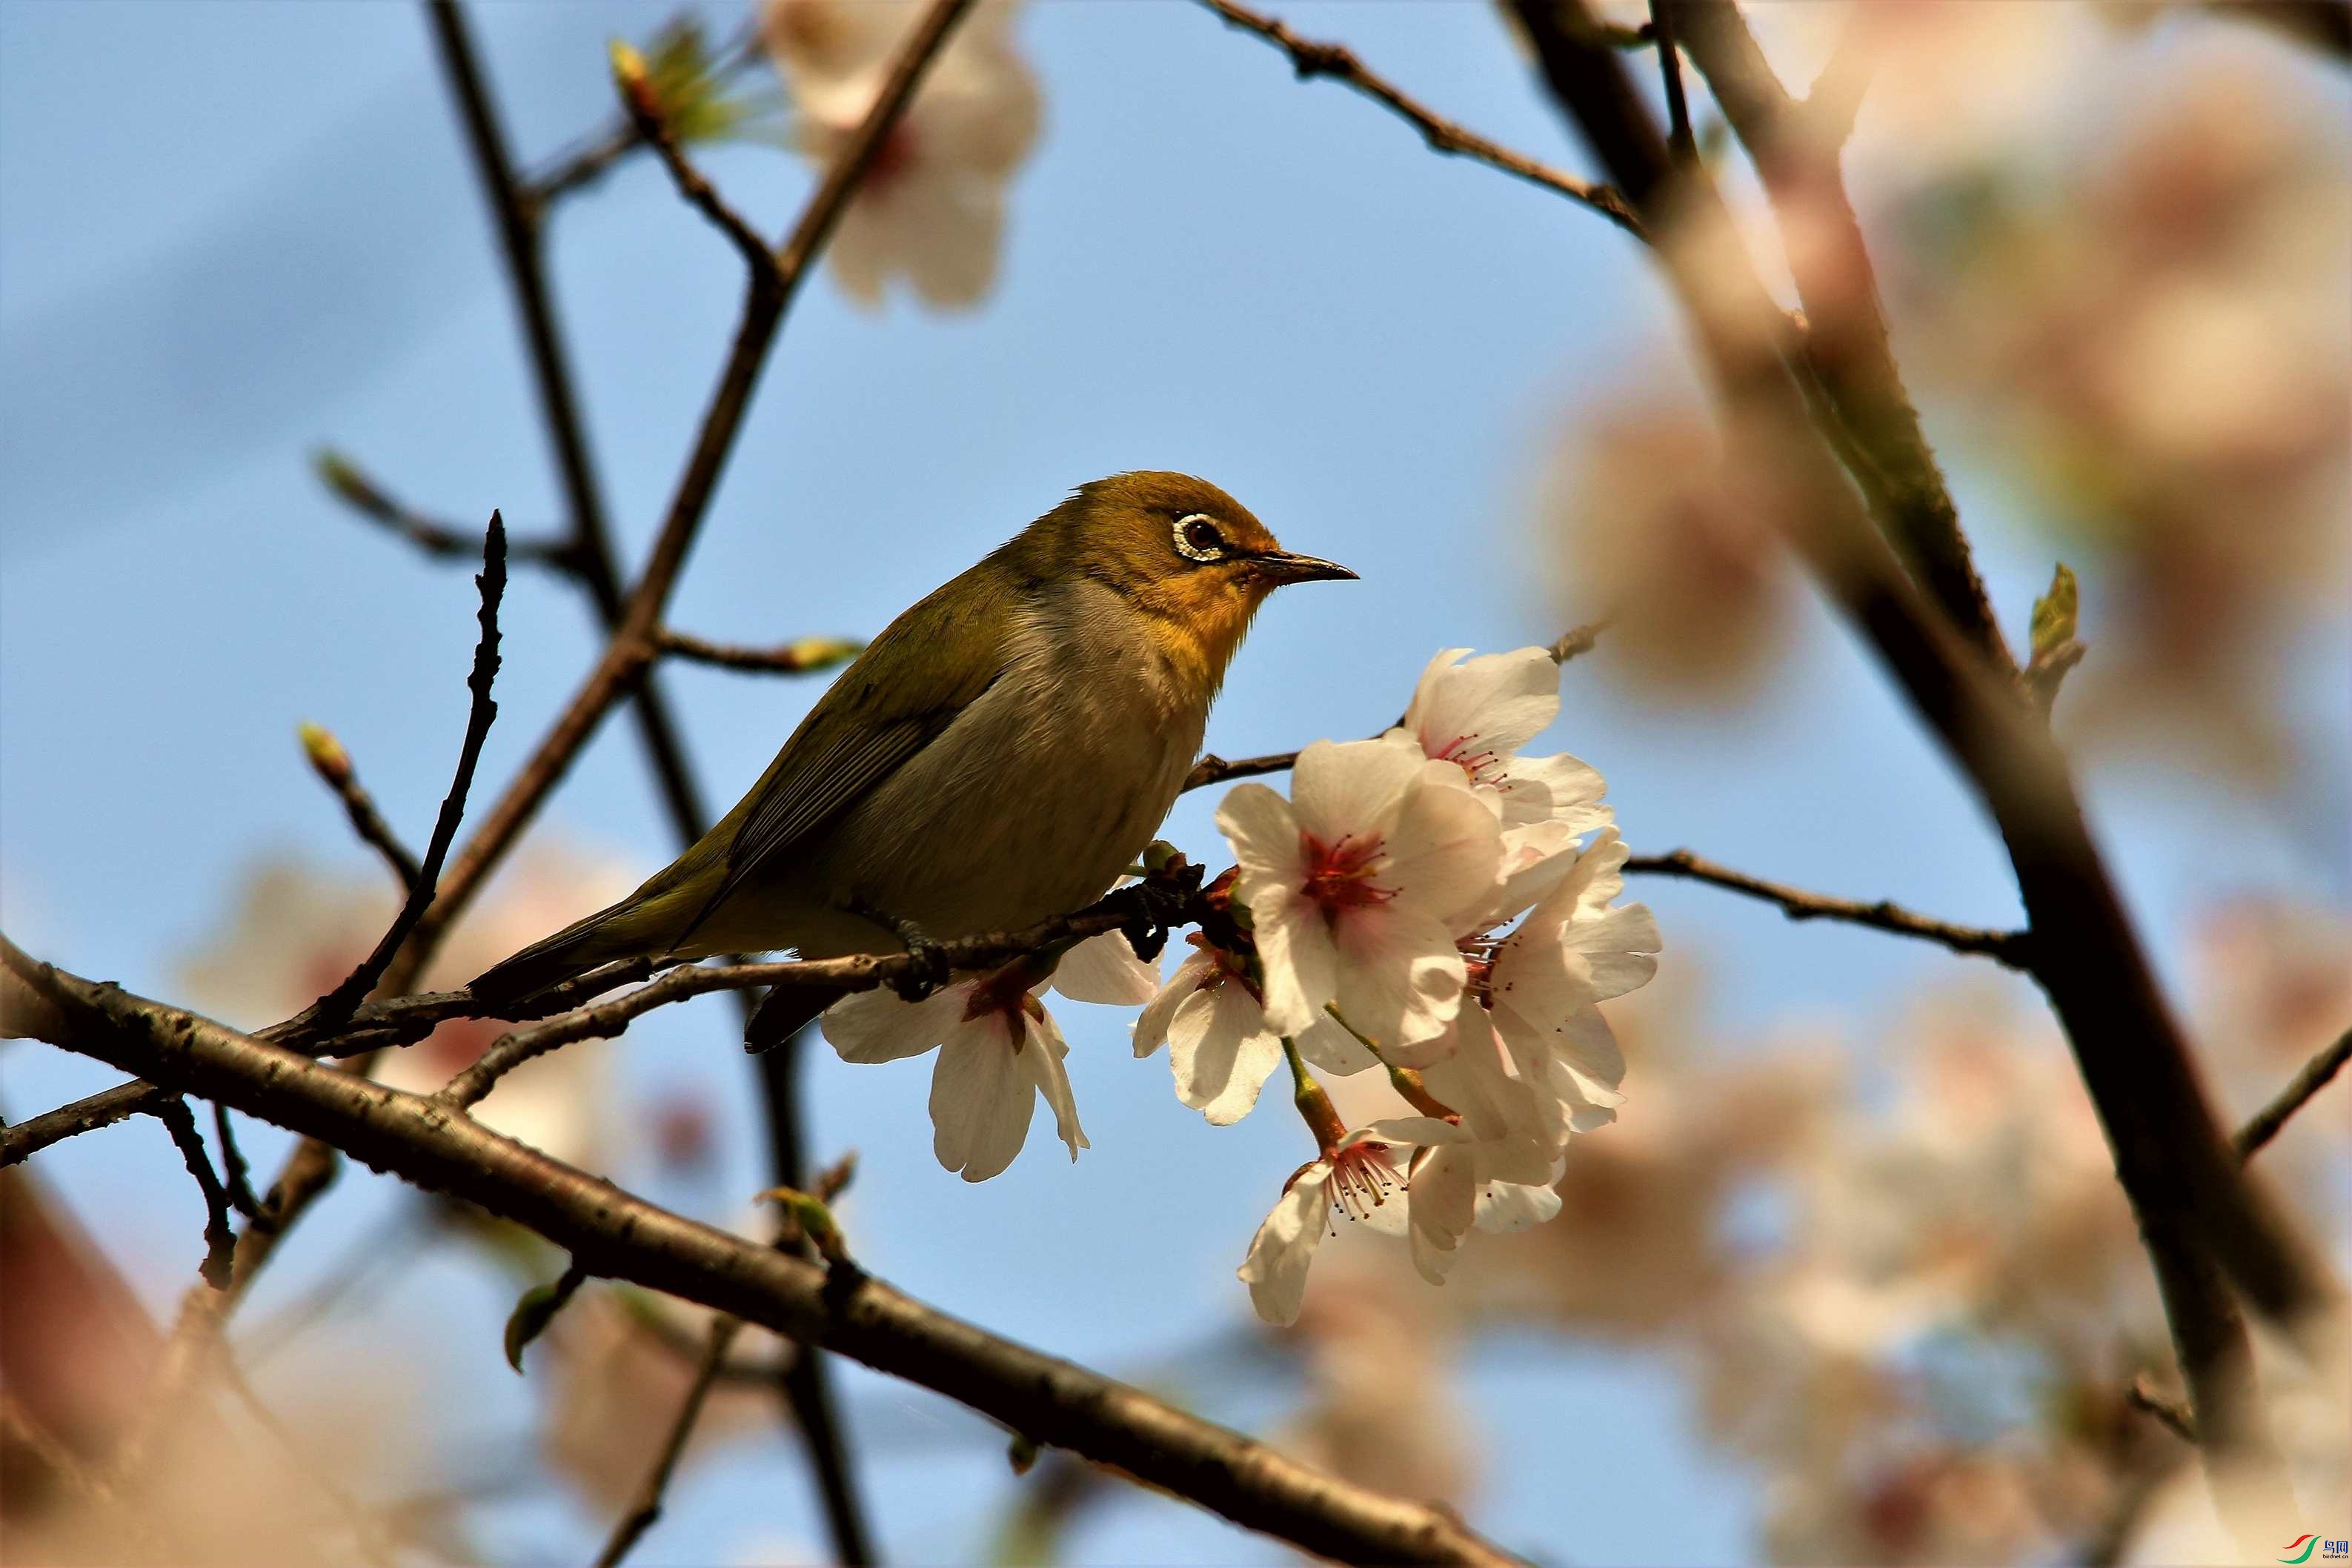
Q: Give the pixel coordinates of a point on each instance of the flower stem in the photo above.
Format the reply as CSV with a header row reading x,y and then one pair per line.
x,y
1322,1118
1408,1083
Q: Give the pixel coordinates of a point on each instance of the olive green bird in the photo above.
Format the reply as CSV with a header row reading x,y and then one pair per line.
x,y
996,758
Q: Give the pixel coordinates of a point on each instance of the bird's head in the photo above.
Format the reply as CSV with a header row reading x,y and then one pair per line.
x,y
1187,557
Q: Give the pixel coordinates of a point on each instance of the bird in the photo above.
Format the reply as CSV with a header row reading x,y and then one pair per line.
x,y
998,757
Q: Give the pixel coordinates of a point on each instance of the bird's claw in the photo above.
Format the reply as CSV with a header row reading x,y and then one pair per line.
x,y
1158,904
927,970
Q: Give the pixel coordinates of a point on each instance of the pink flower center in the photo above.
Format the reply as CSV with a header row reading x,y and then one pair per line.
x,y
1482,764
1006,995
1340,876
1361,1178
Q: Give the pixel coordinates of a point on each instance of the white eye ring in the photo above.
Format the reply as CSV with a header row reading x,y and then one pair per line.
x,y
1185,547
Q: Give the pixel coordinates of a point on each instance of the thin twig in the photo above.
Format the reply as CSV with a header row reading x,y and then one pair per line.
x,y
1670,70
648,1509
1310,59
338,1004
1053,1402
645,115
220,1231
801,656
236,1176
443,541
1213,769
2312,1076
104,1108
332,763
2169,1412
2007,947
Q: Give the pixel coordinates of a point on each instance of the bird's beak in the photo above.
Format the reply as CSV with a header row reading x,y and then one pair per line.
x,y
1284,567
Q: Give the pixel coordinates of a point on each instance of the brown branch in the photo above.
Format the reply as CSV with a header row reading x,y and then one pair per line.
x,y
1847,335
1213,769
621,1236
440,540
2196,1215
2170,1414
1310,59
236,1176
338,1004
645,112
2007,947
220,1231
647,1510
1670,73
802,656
2312,1076
332,763
104,1108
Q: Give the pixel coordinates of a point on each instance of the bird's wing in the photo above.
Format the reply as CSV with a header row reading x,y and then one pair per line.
x,y
901,694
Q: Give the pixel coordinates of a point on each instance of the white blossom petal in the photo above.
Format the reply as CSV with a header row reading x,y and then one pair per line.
x,y
1222,1053
1275,1268
1348,788
1152,1024
879,1027
1104,969
1042,1053
981,1100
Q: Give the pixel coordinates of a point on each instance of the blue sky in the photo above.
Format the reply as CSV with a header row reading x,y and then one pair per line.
x,y
232,232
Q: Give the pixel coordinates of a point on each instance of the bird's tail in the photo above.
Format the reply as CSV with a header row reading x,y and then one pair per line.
x,y
576,949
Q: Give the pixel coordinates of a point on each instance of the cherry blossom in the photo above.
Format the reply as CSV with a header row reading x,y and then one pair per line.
x,y
1477,714
1355,886
1360,1176
931,205
1000,1050
1212,1016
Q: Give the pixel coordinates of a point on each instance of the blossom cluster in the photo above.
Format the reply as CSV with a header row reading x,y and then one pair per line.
x,y
1431,903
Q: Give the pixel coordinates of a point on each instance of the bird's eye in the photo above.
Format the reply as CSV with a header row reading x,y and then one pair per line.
x,y
1197,536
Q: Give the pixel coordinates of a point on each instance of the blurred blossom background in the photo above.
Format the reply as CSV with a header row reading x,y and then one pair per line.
x,y
1848,1280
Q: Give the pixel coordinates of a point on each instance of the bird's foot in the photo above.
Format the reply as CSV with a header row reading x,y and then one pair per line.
x,y
1160,902
928,971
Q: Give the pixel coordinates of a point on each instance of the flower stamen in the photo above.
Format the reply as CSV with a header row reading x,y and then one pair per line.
x,y
1339,875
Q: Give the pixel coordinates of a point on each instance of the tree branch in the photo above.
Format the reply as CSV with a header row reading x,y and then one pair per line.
x,y
2314,1076
621,1236
802,656
338,1004
2006,947
1310,59
440,540
220,1231
2192,1205
332,763
104,1108
1846,340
